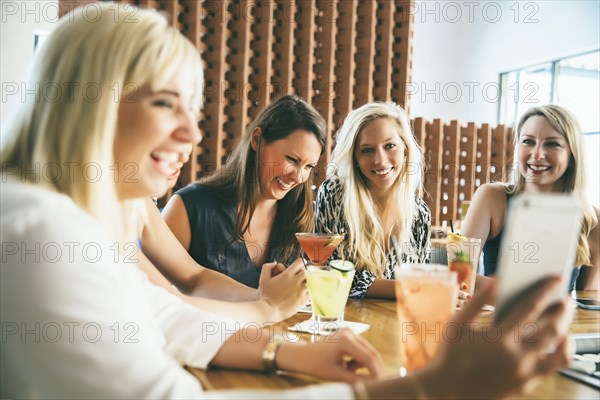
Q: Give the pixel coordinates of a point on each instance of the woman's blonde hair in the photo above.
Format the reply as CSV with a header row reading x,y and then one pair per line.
x,y
239,178
366,239
574,180
91,63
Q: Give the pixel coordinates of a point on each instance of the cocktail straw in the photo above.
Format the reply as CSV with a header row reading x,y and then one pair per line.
x,y
451,227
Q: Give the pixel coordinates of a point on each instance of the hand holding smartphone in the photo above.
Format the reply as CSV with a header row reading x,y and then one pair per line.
x,y
540,239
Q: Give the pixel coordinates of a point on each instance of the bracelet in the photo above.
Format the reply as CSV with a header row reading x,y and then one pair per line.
x,y
360,391
269,353
417,386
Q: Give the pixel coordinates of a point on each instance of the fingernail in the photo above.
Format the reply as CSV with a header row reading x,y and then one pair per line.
x,y
463,286
468,297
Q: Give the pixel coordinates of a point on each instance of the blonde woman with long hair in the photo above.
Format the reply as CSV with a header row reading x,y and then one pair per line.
x,y
550,159
372,194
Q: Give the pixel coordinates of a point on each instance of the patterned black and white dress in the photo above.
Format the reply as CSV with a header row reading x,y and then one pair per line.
x,y
329,216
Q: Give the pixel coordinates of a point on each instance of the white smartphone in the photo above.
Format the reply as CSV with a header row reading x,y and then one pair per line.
x,y
540,239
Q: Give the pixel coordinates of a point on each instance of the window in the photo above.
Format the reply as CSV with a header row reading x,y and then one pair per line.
x,y
578,88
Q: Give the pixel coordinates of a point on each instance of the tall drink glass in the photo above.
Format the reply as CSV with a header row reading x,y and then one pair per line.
x,y
426,296
463,257
328,289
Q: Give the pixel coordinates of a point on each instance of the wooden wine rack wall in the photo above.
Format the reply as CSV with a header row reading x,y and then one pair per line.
x,y
458,159
337,55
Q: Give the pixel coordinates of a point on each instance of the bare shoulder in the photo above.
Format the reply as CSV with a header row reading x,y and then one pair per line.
x,y
492,191
174,206
491,196
486,212
176,217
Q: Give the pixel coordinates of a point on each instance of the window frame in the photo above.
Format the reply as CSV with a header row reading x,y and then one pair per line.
x,y
504,91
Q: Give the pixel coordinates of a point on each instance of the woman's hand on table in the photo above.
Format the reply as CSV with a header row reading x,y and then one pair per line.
x,y
283,289
531,342
342,356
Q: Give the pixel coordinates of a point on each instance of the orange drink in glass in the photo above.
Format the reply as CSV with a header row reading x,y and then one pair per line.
x,y
426,296
463,257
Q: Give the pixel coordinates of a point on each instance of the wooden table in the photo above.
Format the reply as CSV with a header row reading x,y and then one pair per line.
x,y
383,334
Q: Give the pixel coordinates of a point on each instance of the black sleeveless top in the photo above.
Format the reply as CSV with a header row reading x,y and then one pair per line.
x,y
490,254
212,225
492,247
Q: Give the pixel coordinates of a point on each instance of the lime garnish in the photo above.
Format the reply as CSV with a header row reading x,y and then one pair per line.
x,y
341,265
462,256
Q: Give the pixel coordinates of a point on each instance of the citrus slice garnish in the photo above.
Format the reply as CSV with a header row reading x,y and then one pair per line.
x,y
455,237
334,241
342,265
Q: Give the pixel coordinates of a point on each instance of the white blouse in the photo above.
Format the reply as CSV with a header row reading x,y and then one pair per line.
x,y
78,322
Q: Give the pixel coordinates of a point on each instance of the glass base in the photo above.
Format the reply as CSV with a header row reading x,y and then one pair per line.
x,y
328,324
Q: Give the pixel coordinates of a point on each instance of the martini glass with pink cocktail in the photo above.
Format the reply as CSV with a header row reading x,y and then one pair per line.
x,y
319,246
